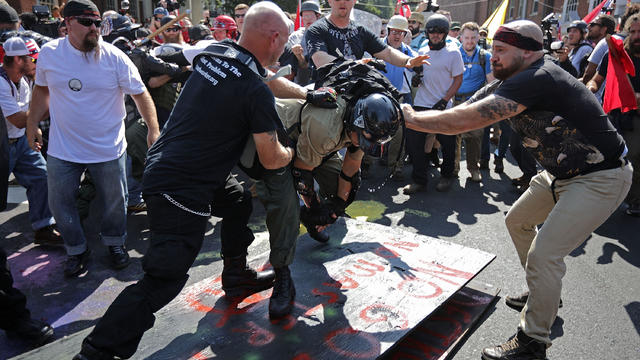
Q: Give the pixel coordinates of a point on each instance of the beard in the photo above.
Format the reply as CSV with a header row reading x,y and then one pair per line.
x,y
634,47
414,31
90,42
504,72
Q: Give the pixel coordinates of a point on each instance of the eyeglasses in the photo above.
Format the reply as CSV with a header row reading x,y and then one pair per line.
x,y
239,16
173,29
29,58
396,32
436,30
88,22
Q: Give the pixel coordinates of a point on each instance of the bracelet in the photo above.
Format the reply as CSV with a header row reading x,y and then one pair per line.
x,y
345,176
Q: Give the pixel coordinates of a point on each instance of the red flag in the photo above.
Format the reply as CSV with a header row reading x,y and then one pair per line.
x,y
618,92
298,23
403,9
592,15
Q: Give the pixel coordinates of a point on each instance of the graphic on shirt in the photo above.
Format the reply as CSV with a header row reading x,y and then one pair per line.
x,y
75,85
559,147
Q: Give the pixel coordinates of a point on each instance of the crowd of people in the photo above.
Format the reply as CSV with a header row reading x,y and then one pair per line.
x,y
156,118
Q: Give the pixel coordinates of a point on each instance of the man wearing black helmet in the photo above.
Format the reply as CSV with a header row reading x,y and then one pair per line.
x,y
437,86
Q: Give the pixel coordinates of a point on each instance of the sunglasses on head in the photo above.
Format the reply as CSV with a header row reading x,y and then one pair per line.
x,y
89,21
436,30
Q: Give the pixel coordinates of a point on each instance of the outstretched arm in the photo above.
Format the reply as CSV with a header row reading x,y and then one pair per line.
x,y
464,117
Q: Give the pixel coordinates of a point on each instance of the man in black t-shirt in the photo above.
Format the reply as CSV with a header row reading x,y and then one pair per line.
x,y
337,36
187,178
563,126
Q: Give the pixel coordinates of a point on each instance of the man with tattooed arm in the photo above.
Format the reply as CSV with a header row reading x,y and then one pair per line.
x,y
563,126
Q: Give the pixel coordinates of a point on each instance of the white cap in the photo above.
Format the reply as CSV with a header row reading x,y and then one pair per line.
x,y
16,46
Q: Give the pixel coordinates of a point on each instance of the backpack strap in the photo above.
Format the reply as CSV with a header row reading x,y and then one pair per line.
x,y
4,75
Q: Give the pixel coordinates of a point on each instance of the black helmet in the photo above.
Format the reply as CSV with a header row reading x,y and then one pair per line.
x,y
376,119
578,24
116,25
199,32
439,22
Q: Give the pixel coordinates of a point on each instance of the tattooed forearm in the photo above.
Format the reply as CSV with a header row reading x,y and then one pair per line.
x,y
497,108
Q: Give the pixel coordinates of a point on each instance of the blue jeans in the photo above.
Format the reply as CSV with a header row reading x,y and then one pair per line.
x,y
110,181
503,145
134,187
30,169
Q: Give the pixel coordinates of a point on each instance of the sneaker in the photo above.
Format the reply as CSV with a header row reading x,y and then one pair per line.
x,y
414,188
76,264
48,235
499,165
484,164
139,207
119,257
633,210
444,184
476,176
519,347
518,302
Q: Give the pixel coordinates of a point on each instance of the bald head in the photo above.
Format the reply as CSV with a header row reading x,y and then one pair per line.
x,y
265,32
264,17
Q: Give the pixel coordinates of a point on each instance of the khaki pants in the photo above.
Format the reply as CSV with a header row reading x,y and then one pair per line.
x,y
473,145
584,203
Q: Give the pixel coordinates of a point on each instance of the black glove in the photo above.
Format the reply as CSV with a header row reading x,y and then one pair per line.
x,y
416,80
440,105
379,65
337,206
324,97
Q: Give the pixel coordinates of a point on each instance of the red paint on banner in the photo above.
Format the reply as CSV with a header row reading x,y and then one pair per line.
x,y
405,286
380,309
333,296
259,335
370,270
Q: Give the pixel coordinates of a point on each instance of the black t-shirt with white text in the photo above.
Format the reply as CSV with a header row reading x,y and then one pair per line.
x,y
352,41
220,106
564,126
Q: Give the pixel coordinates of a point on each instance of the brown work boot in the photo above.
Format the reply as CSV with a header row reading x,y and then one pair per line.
x,y
48,235
520,347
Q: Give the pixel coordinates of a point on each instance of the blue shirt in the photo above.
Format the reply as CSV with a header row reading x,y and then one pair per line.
x,y
418,41
474,76
395,74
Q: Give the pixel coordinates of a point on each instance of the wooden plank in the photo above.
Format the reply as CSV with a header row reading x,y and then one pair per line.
x,y
356,297
440,335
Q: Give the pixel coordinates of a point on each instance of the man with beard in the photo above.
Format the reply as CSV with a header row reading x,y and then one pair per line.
x,y
81,81
437,86
418,38
629,122
29,167
564,127
336,36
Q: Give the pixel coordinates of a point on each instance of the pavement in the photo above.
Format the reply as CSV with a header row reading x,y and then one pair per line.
x,y
601,293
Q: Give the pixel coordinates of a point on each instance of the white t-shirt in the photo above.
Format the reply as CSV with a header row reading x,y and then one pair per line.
x,y
437,78
192,51
86,100
12,104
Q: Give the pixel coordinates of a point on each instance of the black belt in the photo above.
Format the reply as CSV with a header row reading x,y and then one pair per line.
x,y
607,165
13,141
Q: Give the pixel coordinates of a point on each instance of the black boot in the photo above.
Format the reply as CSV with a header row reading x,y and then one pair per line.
x,y
520,347
88,352
284,293
35,331
311,229
240,280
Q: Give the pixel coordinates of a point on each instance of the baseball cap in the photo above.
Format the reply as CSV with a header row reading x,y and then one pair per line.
x,y
160,11
8,15
455,25
17,46
80,8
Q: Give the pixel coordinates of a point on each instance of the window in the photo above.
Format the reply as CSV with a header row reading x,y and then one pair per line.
x,y
522,5
534,7
511,10
572,5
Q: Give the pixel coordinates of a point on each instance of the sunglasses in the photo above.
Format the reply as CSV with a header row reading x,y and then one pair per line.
x,y
157,18
239,16
412,22
436,30
88,22
173,29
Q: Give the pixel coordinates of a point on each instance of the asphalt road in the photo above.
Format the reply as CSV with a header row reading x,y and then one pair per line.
x,y
601,292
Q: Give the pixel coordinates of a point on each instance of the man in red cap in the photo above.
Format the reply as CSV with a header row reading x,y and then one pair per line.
x,y
564,127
